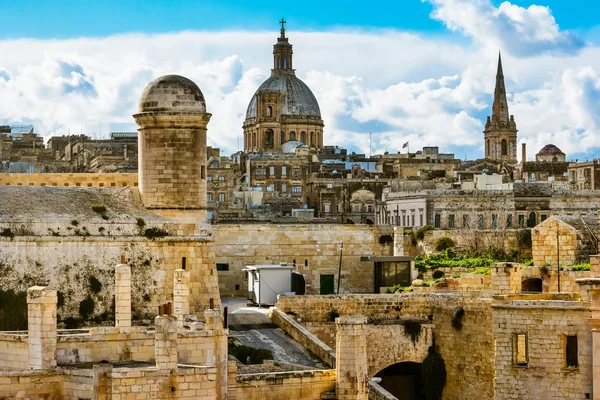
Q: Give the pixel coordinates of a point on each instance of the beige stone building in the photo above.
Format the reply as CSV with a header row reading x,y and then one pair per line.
x,y
283,109
584,175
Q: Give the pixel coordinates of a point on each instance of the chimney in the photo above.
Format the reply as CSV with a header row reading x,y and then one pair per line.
x,y
523,153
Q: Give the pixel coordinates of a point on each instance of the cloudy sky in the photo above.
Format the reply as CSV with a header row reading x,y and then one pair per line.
x,y
410,70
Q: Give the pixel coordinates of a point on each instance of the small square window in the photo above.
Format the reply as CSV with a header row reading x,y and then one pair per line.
x,y
222,266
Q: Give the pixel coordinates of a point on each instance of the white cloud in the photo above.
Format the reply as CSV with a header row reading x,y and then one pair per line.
x,y
521,31
400,86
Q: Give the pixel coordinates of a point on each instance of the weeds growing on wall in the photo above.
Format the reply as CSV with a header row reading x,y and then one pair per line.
x,y
581,267
140,222
412,330
7,233
152,233
443,243
95,285
449,259
433,374
98,208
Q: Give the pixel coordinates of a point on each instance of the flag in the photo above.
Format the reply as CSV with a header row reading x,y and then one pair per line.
x,y
405,145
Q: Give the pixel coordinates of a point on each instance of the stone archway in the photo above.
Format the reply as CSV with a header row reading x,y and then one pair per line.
x,y
403,380
532,285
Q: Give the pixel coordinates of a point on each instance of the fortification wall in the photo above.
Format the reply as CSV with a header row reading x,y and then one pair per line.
x,y
82,268
314,248
75,179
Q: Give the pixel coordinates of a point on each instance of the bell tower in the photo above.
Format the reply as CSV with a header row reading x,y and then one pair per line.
x,y
500,132
282,53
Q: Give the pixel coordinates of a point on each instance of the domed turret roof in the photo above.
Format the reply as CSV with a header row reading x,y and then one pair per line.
x,y
298,99
172,93
550,149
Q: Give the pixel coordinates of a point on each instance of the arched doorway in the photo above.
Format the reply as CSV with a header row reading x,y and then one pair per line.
x,y
531,285
531,220
403,380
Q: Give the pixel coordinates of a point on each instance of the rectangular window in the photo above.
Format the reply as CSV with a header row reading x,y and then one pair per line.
x,y
480,221
215,165
451,221
271,188
466,222
520,349
356,208
370,208
203,172
413,219
543,217
438,221
222,267
260,171
272,171
296,189
209,178
326,207
494,221
521,221
571,352
221,178
403,219
283,170
209,196
221,197
509,221
283,188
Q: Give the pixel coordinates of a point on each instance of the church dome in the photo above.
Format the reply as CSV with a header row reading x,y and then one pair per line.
x,y
550,149
172,93
298,99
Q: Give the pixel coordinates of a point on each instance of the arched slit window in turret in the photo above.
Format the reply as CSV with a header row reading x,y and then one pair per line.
x,y
312,139
292,135
269,111
284,62
504,147
303,137
282,137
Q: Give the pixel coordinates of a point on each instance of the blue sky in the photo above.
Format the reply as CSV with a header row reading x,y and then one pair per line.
x,y
409,70
70,18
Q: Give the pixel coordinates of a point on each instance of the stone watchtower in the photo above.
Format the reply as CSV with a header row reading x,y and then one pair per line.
x,y
172,121
500,132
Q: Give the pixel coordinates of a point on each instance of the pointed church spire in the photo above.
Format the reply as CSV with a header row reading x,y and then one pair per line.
x,y
500,107
282,53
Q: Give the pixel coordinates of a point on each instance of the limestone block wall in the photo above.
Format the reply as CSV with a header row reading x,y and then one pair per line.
x,y
34,385
74,179
506,278
69,264
172,160
14,351
300,385
543,239
545,323
376,392
468,352
314,247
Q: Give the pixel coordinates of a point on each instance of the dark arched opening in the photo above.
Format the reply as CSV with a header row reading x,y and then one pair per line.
x,y
504,147
349,221
531,285
292,135
303,137
282,137
403,380
269,137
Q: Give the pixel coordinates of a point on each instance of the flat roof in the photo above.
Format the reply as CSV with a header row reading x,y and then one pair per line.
x,y
386,258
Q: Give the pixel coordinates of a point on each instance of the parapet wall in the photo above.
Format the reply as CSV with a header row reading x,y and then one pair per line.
x,y
299,385
75,179
82,268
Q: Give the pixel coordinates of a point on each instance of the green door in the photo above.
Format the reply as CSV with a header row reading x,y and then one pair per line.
x,y
327,284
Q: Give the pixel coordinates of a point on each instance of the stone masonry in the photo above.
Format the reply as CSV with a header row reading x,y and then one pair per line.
x,y
123,296
41,314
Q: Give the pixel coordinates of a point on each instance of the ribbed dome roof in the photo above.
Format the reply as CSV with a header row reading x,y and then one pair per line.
x,y
172,93
550,149
298,98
